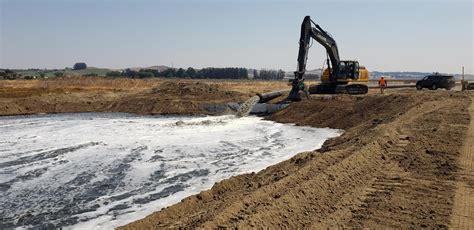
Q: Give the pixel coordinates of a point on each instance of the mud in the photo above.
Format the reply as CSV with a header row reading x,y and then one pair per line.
x,y
394,167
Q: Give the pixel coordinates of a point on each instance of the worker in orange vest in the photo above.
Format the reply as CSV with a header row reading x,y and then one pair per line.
x,y
382,84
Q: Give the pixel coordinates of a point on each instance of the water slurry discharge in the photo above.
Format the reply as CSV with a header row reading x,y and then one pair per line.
x,y
394,167
115,168
258,104
246,107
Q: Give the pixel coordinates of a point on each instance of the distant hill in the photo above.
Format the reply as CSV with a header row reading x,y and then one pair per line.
x,y
413,75
394,75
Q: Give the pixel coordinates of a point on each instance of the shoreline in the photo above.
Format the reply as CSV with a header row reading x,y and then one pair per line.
x,y
394,166
347,182
162,165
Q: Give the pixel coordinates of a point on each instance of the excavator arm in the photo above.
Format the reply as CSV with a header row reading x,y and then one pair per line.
x,y
322,37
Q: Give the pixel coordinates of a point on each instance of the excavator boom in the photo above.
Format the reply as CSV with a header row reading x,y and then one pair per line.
x,y
323,38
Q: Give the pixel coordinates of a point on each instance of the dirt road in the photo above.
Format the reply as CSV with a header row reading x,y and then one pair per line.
x,y
395,166
463,211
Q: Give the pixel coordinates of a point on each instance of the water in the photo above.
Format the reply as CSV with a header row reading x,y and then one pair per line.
x,y
247,106
105,170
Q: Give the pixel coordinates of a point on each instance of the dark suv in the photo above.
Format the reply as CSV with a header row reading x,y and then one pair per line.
x,y
436,81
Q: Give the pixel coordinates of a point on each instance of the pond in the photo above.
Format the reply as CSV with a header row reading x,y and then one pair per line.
x,y
101,170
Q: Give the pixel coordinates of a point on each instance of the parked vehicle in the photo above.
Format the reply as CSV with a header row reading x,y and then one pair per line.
x,y
436,81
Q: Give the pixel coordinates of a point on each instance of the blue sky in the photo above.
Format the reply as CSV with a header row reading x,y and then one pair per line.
x,y
419,35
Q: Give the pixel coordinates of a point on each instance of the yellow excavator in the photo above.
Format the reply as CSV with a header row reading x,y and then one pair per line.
x,y
339,77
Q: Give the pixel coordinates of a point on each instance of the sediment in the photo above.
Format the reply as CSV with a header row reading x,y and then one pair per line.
x,y
395,166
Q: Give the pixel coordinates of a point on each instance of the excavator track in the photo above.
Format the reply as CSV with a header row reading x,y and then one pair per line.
x,y
329,88
355,89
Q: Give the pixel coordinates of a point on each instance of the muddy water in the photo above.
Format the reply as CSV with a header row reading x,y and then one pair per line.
x,y
103,170
247,106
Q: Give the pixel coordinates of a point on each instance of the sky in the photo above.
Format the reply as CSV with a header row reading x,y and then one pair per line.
x,y
383,35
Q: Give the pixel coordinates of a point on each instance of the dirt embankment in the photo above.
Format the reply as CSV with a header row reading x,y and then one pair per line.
x,y
166,97
178,98
395,166
151,96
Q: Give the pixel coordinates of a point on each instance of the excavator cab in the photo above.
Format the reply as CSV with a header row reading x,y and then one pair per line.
x,y
348,71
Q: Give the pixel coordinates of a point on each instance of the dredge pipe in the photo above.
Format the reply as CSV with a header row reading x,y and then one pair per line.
x,y
265,97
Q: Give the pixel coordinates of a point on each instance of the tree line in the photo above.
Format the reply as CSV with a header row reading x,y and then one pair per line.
x,y
205,73
269,74
213,73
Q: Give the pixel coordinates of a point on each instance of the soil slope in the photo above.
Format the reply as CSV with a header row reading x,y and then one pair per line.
x,y
167,97
463,212
395,166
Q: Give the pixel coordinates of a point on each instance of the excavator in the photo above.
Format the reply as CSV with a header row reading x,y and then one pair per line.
x,y
340,77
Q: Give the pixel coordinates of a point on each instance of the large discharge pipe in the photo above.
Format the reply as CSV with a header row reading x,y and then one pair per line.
x,y
265,97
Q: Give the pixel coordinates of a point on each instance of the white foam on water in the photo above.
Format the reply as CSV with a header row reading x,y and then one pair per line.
x,y
99,171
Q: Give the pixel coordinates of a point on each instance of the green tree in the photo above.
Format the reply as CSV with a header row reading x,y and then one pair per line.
x,y
129,73
153,71
180,73
170,72
190,72
255,74
10,75
58,74
91,75
145,74
113,74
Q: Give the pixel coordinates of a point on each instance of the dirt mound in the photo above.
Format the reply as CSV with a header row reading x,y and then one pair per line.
x,y
194,89
175,97
393,167
167,97
344,111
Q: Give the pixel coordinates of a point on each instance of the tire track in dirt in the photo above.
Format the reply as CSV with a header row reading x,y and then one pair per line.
x,y
391,182
394,166
414,196
463,211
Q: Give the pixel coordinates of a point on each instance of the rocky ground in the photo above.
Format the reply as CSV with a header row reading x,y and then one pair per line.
x,y
398,164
